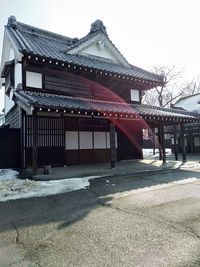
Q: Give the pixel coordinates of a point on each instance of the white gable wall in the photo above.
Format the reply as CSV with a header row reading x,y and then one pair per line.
x,y
96,51
100,46
9,103
10,52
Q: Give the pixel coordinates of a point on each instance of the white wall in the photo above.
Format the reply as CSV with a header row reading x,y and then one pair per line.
x,y
96,51
11,54
196,141
8,102
33,79
71,140
18,74
86,141
101,140
135,96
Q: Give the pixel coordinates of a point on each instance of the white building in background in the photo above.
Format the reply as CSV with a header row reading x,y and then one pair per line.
x,y
2,119
190,103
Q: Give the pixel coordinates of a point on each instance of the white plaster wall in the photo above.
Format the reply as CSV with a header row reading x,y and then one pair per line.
x,y
2,119
135,95
8,102
86,141
96,51
71,140
18,74
99,140
196,141
11,54
167,136
33,79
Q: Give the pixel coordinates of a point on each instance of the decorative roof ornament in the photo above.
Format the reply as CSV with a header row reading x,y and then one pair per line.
x,y
98,26
12,21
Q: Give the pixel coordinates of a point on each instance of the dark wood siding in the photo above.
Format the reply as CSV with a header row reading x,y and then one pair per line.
x,y
50,141
10,148
13,117
71,84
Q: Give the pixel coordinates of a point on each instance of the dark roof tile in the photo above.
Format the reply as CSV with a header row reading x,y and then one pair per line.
x,y
32,40
45,100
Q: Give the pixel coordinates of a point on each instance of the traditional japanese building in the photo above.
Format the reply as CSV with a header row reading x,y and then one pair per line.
x,y
192,130
76,100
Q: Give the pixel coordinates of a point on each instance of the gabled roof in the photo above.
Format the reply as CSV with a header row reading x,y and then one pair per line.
x,y
53,101
30,40
190,103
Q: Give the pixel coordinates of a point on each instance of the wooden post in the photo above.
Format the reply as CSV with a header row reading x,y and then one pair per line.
x,y
183,143
154,140
191,143
112,145
34,148
163,143
159,142
175,143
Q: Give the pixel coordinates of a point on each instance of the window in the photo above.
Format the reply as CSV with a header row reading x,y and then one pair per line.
x,y
135,96
33,79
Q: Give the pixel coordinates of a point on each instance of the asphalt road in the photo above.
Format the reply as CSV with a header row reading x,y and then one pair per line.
x,y
135,220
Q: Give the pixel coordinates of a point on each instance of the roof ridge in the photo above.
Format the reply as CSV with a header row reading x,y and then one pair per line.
x,y
39,31
76,97
187,96
170,109
145,71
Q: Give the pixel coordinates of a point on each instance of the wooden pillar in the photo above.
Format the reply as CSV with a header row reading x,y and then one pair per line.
x,y
191,143
154,140
112,145
175,143
183,143
159,142
163,142
34,148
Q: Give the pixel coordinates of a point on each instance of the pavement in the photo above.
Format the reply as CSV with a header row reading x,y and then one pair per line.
x,y
150,163
144,219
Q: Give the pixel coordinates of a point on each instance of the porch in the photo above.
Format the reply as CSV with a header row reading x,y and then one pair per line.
x,y
150,163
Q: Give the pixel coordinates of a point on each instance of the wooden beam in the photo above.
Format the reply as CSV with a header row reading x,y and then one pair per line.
x,y
112,145
175,142
154,139
163,142
159,142
183,143
34,148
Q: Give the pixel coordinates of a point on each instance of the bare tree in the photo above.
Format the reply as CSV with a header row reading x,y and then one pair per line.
x,y
191,88
169,92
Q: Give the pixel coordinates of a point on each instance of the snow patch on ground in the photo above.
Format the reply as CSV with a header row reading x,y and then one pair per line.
x,y
13,188
6,174
148,152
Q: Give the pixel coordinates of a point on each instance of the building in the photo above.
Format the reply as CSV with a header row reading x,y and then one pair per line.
x,y
1,119
77,101
192,130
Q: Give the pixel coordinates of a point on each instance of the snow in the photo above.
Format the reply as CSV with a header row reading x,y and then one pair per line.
x,y
148,152
6,174
191,103
13,188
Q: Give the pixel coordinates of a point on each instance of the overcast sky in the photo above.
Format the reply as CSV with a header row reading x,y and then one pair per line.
x,y
147,32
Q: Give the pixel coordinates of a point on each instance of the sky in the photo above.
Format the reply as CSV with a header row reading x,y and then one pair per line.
x,y
147,32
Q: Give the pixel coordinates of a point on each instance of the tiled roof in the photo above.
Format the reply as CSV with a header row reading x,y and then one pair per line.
x,y
34,41
53,101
